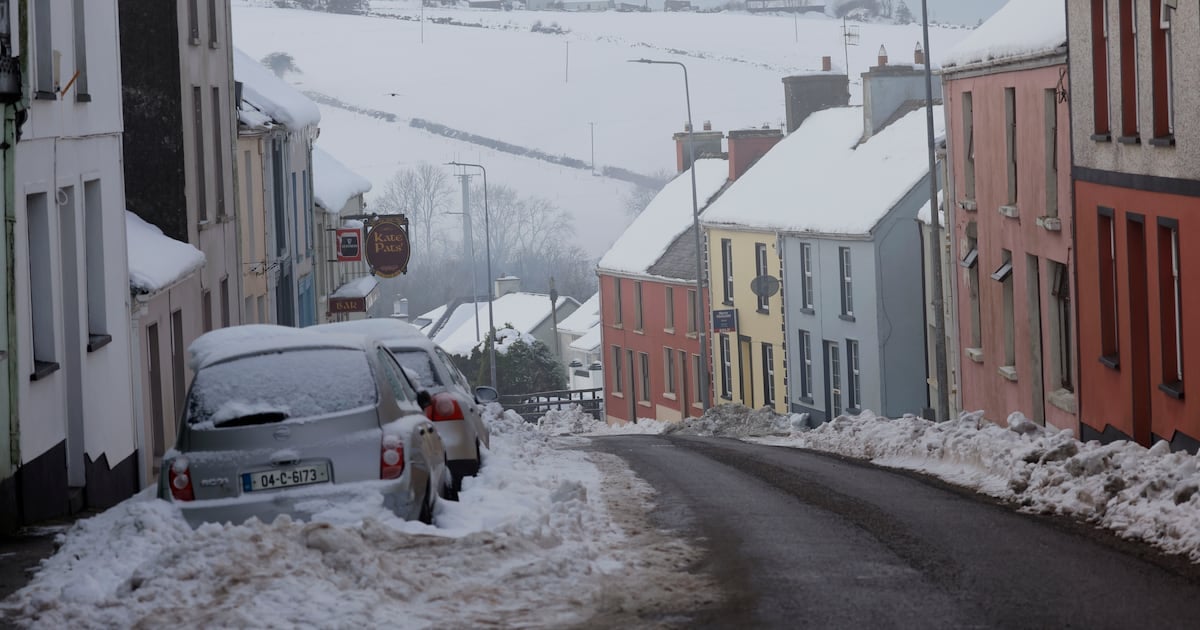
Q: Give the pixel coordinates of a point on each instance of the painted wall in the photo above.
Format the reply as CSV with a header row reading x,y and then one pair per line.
x,y
1033,390
252,218
69,147
753,326
654,337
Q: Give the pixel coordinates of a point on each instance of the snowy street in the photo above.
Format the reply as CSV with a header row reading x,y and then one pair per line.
x,y
573,523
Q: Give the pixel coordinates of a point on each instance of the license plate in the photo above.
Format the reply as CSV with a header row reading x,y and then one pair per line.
x,y
285,477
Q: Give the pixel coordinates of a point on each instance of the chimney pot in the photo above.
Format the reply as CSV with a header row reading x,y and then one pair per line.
x,y
826,63
883,56
708,125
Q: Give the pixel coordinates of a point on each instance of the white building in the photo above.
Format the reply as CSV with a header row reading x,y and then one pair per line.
x,y
579,337
76,440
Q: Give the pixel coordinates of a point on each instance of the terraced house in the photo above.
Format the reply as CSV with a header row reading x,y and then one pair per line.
x,y
828,214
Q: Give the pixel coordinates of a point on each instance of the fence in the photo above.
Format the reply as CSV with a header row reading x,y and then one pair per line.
x,y
535,405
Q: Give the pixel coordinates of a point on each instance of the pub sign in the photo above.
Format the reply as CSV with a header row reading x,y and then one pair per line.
x,y
349,244
386,246
724,321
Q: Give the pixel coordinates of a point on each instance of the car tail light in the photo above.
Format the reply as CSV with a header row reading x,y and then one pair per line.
x,y
180,480
391,457
444,407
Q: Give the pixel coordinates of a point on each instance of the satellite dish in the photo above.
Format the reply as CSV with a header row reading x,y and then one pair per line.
x,y
764,286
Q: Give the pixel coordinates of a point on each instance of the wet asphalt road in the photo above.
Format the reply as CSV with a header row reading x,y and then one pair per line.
x,y
803,540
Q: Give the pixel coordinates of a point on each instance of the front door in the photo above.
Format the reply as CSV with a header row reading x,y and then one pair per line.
x,y
746,371
833,380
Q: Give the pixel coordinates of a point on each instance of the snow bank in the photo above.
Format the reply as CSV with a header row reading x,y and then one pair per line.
x,y
1020,29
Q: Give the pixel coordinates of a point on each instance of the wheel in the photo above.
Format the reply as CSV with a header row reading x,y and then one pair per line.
x,y
427,505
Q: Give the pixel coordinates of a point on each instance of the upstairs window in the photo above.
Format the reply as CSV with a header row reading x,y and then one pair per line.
x,y
1162,69
193,22
617,320
1010,135
692,311
1100,110
1130,107
43,52
1051,132
847,282
670,309
760,270
81,73
727,268
637,306
806,277
1004,275
968,104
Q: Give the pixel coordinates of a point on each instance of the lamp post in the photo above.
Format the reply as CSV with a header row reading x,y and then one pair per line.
x,y
701,319
487,236
935,236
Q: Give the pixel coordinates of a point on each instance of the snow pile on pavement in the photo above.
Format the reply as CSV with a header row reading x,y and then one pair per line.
x,y
734,420
545,536
573,420
1150,495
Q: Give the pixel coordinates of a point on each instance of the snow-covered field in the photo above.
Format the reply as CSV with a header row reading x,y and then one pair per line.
x,y
542,91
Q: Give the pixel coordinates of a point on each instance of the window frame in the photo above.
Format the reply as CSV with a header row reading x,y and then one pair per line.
x,y
644,364
846,280
807,289
727,270
1171,308
1109,294
669,371
639,323
853,377
669,309
616,372
760,268
806,366
768,361
726,368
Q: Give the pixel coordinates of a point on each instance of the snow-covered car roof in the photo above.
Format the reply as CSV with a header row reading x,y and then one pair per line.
x,y
386,331
224,344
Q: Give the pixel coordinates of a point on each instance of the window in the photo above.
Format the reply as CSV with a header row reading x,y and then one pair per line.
x,y
225,302
854,381
760,269
971,262
697,379
1051,106
1010,131
212,24
726,368
637,306
683,378
201,187
1170,307
806,366
81,76
670,309
616,370
1004,276
394,374
250,210
806,277
1110,349
669,370
1130,114
617,293
692,311
194,22
1060,326
846,282
1100,68
1162,70
93,225
727,268
968,105
43,52
307,209
835,380
219,143
644,360
768,370
206,309
41,286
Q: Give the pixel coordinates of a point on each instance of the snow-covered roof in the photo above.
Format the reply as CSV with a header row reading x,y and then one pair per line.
x,y
271,95
584,318
819,179
359,287
333,183
522,311
666,217
1022,28
225,343
156,261
589,342
425,320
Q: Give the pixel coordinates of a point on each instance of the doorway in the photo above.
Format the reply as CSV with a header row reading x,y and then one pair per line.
x,y
1033,293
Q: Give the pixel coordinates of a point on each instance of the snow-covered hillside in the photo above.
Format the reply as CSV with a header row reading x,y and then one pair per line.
x,y
500,80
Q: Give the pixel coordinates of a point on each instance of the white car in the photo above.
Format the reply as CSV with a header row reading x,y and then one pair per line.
x,y
282,421
456,410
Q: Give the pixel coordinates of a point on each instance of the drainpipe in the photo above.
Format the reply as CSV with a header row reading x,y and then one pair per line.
x,y
10,270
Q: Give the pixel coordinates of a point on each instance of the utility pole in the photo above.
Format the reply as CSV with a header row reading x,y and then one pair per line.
x,y
935,237
469,245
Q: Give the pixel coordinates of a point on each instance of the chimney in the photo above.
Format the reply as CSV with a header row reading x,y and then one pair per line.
x,y
807,93
746,146
505,285
883,56
889,89
708,144
826,64
919,55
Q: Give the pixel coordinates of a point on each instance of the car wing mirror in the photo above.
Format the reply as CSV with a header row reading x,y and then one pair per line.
x,y
424,399
485,394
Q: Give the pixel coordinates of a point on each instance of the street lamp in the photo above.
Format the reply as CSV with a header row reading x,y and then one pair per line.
x,y
701,320
935,235
487,235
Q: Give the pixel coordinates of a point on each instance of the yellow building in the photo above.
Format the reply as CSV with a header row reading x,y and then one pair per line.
x,y
747,346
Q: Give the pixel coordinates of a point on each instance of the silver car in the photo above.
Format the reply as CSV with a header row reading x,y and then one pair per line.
x,y
456,409
281,421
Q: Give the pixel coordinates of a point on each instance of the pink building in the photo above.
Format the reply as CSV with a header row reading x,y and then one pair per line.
x,y
1009,162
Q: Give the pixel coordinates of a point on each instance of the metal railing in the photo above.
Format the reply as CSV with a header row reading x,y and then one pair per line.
x,y
535,405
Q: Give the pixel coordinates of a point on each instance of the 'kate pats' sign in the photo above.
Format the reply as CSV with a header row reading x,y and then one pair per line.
x,y
387,248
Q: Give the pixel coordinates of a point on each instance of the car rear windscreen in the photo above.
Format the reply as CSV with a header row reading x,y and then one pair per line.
x,y
418,361
281,386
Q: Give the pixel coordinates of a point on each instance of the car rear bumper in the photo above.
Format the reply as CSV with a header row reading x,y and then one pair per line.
x,y
403,497
457,438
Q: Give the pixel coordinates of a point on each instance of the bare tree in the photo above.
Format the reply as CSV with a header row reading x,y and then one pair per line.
x,y
422,193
